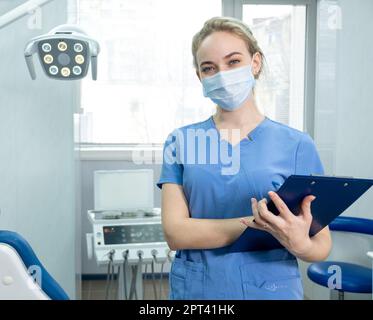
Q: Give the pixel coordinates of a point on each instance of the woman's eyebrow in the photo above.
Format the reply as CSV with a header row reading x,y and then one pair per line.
x,y
232,54
226,57
206,62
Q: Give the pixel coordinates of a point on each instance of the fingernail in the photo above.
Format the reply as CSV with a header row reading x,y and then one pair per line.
x,y
252,199
270,192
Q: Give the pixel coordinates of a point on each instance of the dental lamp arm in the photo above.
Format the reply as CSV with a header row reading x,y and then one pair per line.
x,y
95,50
29,51
21,11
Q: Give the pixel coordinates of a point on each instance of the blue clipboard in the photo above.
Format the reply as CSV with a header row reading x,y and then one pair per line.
x,y
333,196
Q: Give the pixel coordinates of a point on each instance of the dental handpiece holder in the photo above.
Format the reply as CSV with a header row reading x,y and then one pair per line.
x,y
127,229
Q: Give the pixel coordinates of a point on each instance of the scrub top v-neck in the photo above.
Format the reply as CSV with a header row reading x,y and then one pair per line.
x,y
218,189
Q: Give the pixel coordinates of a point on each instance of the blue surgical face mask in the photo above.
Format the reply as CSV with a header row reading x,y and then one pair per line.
x,y
229,89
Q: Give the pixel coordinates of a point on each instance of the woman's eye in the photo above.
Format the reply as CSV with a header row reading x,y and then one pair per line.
x,y
234,61
206,69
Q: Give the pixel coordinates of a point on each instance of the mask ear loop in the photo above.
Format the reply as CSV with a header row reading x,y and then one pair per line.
x,y
252,72
251,64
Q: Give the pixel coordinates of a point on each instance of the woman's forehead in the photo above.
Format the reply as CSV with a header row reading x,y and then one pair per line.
x,y
219,44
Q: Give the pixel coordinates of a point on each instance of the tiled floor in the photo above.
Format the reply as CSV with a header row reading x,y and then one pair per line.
x,y
95,290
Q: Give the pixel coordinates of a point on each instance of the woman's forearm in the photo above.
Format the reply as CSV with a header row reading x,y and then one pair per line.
x,y
192,233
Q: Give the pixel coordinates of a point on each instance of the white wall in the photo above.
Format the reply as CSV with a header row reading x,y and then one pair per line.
x,y
36,150
344,114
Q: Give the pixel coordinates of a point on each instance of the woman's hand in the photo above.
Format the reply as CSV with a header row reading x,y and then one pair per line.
x,y
290,230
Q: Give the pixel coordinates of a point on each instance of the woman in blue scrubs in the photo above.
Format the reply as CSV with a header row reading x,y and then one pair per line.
x,y
218,175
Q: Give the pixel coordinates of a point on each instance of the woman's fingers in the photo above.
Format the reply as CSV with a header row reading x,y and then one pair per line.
x,y
255,210
251,222
306,207
281,206
263,219
267,216
257,220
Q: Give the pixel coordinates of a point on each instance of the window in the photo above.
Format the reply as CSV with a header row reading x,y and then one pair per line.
x,y
280,32
146,83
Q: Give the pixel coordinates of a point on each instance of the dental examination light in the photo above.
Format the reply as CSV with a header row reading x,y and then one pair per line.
x,y
64,53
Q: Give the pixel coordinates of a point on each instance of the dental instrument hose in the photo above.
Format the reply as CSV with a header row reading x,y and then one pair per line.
x,y
133,291
110,273
125,263
154,253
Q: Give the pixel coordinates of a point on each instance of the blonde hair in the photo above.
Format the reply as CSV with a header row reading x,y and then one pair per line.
x,y
228,24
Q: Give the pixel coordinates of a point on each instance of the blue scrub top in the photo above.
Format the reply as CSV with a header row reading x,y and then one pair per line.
x,y
217,187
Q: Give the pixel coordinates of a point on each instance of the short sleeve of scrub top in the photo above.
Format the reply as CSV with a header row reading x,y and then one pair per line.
x,y
218,180
172,170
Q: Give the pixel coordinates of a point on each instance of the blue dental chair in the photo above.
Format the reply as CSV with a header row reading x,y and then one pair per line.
x,y
22,276
355,278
